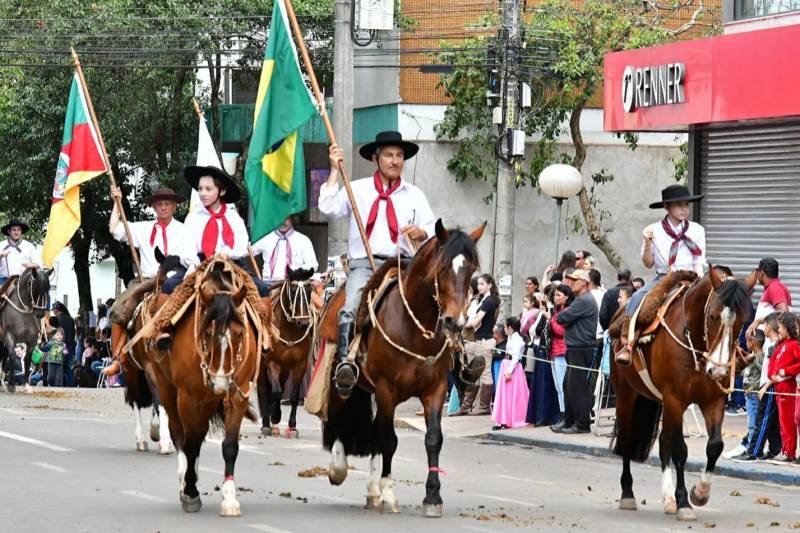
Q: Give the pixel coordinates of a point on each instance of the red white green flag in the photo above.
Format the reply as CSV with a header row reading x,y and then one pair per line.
x,y
80,160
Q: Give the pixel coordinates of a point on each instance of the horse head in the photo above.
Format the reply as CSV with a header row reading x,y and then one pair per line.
x,y
295,296
455,261
727,309
35,282
168,265
223,312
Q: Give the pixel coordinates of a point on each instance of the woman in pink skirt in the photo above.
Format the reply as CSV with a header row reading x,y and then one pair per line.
x,y
512,395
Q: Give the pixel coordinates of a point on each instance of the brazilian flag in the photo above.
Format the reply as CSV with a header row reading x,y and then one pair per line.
x,y
275,172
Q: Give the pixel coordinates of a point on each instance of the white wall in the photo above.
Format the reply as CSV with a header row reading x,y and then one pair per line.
x,y
102,275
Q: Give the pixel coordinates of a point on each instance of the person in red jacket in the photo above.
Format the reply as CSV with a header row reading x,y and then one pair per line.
x,y
562,297
782,369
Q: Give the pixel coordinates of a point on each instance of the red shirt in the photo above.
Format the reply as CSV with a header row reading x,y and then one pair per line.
x,y
786,358
776,293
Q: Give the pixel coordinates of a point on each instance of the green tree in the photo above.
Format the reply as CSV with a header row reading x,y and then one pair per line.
x,y
142,61
562,59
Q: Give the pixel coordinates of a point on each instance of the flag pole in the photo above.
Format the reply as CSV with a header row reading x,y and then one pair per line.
x,y
298,37
117,201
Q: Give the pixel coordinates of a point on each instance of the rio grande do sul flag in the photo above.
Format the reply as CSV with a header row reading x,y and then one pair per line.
x,y
80,160
275,171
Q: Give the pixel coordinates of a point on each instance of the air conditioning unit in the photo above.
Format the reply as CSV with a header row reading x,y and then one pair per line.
x,y
374,15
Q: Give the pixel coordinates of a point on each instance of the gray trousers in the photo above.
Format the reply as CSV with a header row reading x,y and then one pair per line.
x,y
359,275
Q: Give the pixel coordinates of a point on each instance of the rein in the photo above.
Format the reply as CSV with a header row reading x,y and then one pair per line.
x,y
29,308
298,305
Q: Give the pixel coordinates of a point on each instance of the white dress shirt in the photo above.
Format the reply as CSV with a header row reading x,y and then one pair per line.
x,y
177,239
410,206
19,255
684,260
303,255
515,344
196,223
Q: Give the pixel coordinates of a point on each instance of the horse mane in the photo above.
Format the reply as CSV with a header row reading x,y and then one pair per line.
x,y
220,312
734,295
300,274
457,243
375,282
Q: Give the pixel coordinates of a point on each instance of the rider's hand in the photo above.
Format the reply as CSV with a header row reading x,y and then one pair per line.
x,y
648,235
116,193
335,155
414,233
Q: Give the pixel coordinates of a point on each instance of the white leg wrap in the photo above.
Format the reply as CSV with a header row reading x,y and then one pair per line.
x,y
388,499
141,443
165,444
230,505
668,491
183,465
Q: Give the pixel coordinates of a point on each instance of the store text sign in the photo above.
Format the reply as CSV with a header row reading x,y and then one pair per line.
x,y
653,86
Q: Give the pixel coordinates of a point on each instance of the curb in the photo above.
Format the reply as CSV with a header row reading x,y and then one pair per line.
x,y
724,467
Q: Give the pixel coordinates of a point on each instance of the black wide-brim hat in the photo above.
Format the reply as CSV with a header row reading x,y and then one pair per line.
x,y
232,192
14,222
675,193
388,138
164,193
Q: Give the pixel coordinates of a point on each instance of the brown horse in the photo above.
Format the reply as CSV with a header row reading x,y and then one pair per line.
x,y
688,360
209,374
408,353
294,318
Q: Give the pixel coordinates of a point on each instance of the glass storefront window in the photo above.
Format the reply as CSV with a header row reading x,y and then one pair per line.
x,y
745,9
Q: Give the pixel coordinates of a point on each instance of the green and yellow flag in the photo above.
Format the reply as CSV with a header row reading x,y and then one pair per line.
x,y
275,172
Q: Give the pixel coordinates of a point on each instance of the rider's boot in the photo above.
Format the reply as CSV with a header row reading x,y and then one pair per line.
x,y
112,369
466,403
346,374
623,356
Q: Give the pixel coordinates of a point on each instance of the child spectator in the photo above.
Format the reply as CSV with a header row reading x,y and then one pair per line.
x,y
751,376
89,354
766,425
20,350
511,398
529,317
637,283
624,297
54,353
782,371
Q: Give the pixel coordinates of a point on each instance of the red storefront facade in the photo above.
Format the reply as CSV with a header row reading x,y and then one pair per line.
x,y
738,97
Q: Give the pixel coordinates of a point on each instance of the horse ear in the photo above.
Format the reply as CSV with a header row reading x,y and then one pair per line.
x,y
716,278
207,297
750,282
159,255
49,272
441,233
477,233
240,295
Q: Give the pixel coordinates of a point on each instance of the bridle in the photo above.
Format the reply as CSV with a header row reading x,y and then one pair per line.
x,y
300,308
36,303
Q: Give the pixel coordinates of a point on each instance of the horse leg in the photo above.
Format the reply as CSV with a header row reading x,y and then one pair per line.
x,y
141,443
433,402
627,501
337,469
297,379
713,414
623,435
672,445
11,378
373,485
155,423
264,393
275,383
230,451
195,427
387,439
165,445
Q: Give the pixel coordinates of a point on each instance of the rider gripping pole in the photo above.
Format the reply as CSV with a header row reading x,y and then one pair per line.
x,y
117,201
298,37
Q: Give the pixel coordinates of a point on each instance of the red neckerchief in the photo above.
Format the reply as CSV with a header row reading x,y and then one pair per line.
x,y
211,232
391,217
163,235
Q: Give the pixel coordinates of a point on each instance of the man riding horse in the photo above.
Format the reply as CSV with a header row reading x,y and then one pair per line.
x,y
395,211
16,253
285,249
165,233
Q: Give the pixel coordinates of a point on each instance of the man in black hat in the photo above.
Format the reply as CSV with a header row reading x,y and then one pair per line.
x,y
16,254
674,243
165,233
393,212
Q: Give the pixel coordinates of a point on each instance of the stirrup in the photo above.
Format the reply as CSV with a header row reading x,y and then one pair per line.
x,y
345,384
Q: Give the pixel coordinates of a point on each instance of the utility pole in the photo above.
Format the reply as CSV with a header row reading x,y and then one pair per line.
x,y
342,111
510,149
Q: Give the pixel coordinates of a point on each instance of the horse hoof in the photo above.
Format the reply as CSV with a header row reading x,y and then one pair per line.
x,y
191,505
230,509
265,431
389,508
432,510
166,448
155,433
686,514
698,500
292,433
274,431
141,446
670,506
336,476
627,504
373,502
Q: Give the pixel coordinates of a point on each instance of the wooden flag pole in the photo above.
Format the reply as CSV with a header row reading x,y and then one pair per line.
x,y
110,172
298,37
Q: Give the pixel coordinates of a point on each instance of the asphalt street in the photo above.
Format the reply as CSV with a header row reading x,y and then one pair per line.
x,y
68,463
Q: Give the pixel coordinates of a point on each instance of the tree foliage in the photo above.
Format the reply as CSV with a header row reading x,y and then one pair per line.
x,y
562,59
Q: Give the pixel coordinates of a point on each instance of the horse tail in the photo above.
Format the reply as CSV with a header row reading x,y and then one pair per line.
x,y
351,424
137,389
635,441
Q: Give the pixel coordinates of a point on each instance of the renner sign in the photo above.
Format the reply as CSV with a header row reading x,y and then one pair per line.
x,y
653,86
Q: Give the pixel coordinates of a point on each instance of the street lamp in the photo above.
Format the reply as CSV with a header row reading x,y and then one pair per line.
x,y
560,182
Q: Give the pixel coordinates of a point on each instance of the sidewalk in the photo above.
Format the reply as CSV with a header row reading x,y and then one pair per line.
x,y
733,430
